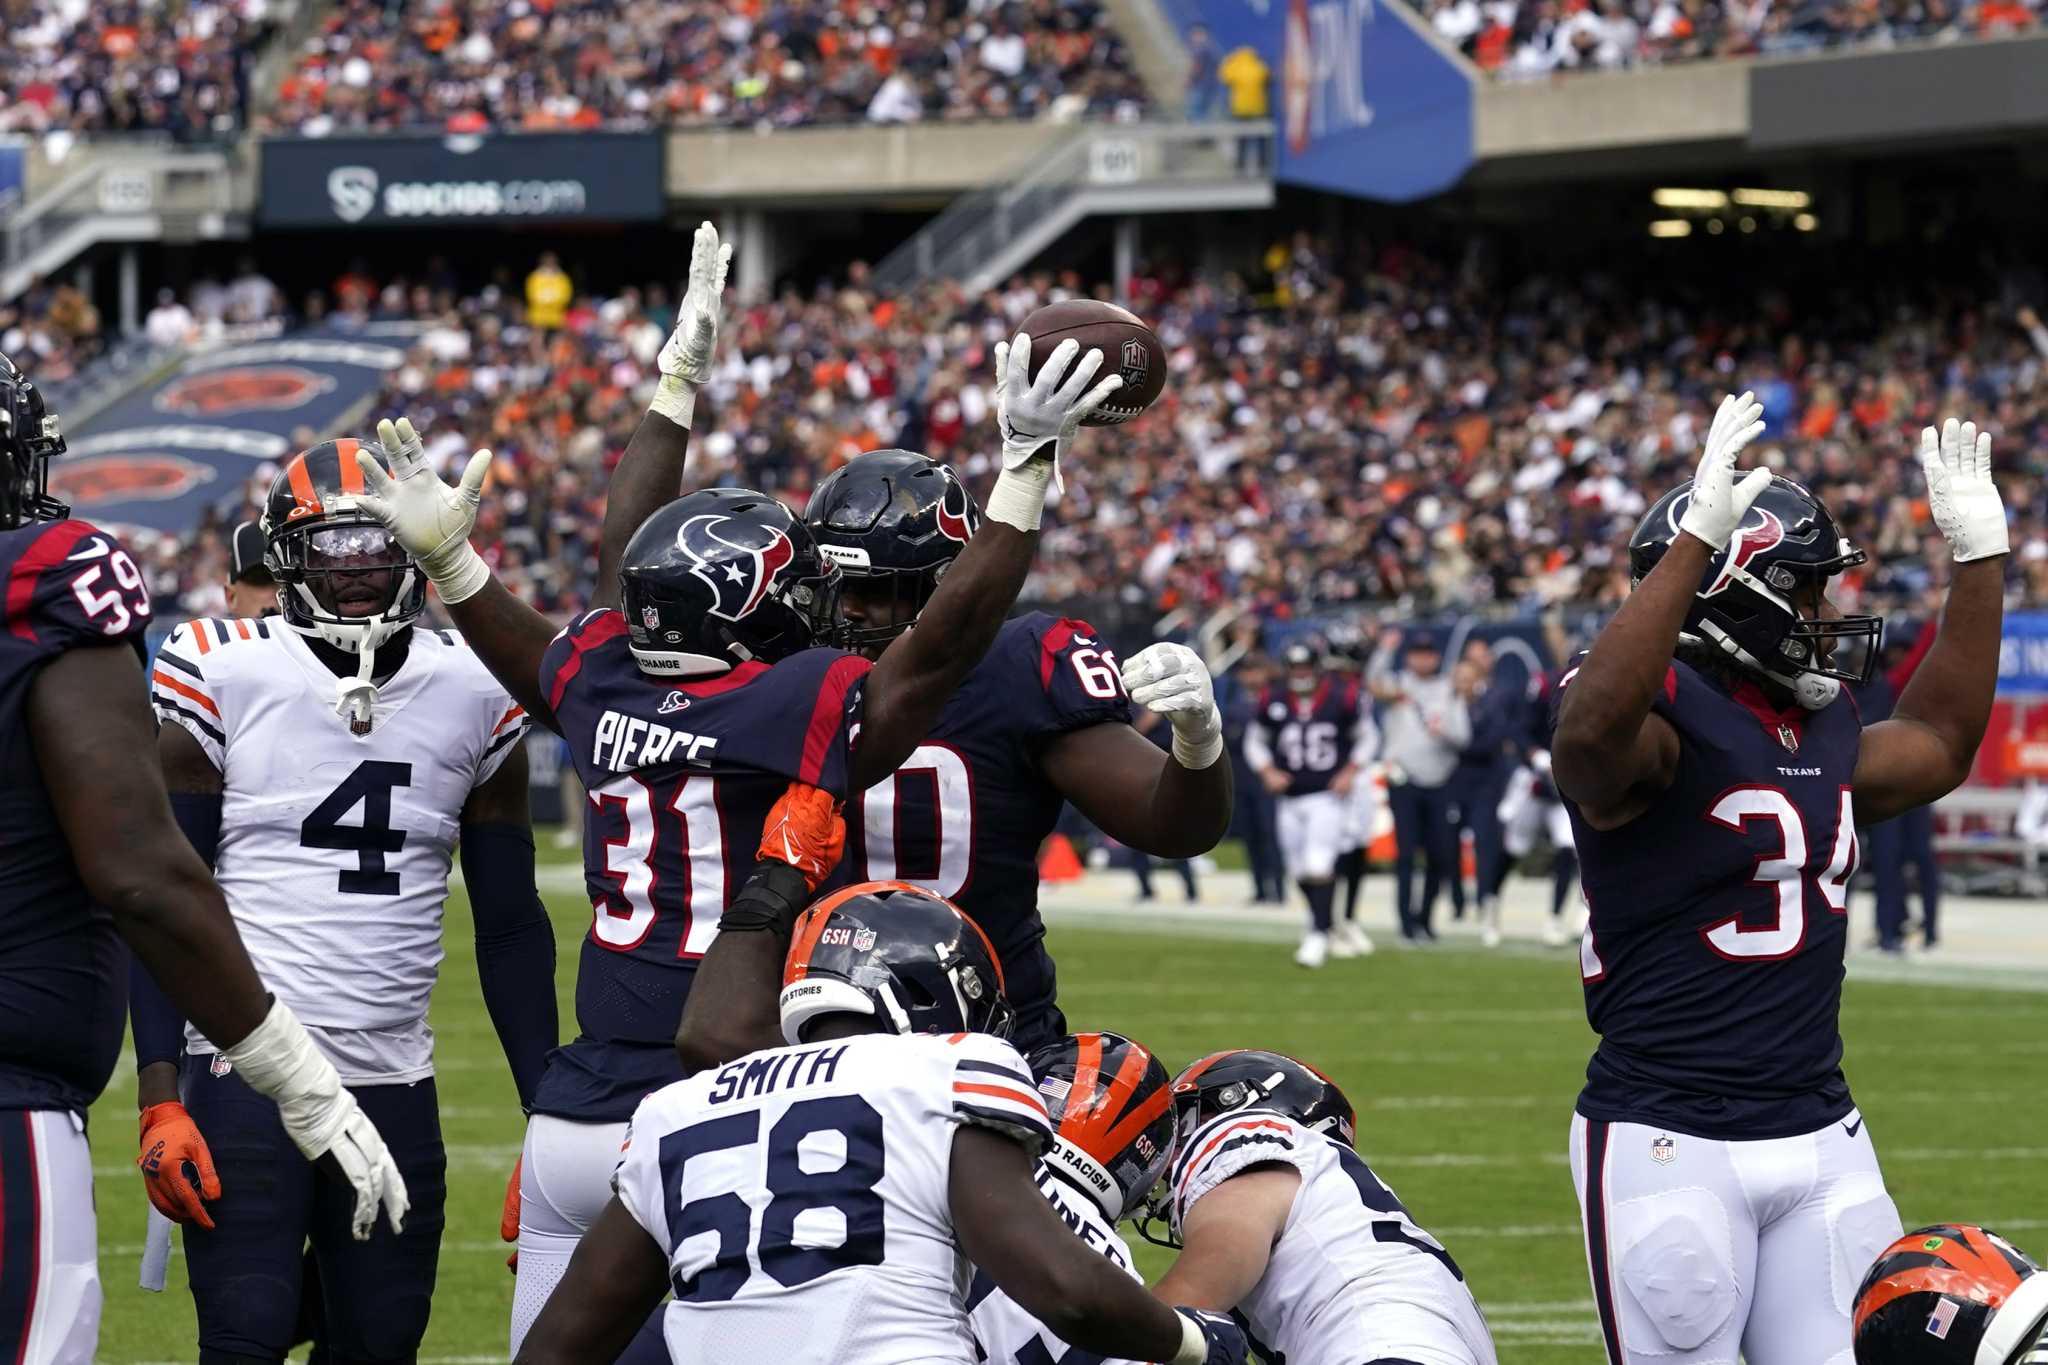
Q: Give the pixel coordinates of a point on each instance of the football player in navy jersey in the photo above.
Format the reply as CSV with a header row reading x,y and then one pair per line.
x,y
1309,744
95,857
1044,719
1715,774
691,695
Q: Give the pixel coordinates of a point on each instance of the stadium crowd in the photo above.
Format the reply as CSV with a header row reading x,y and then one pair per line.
x,y
472,65
117,66
1528,39
1341,429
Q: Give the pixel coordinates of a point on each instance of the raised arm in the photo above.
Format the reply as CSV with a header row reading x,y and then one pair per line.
x,y
433,521
116,816
1169,805
650,473
921,667
1925,750
1610,754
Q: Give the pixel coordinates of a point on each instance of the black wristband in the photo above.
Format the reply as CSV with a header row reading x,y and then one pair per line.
x,y
769,903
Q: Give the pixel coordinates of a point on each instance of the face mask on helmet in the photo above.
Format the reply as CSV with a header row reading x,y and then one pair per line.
x,y
29,439
347,583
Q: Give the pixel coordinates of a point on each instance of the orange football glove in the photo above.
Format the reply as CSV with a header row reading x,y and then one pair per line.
x,y
805,830
508,1220
171,1142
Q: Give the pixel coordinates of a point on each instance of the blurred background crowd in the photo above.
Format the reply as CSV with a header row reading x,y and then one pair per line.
x,y
1344,427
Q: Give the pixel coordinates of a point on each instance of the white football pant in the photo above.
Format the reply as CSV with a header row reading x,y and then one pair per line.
x,y
1312,834
49,1240
565,1180
1701,1249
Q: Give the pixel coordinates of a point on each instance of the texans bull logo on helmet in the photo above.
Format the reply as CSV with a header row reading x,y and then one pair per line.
x,y
1760,531
956,515
739,582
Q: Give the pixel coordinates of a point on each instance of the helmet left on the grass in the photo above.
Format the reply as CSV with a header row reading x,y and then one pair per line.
x,y
1952,1294
724,577
897,954
29,440
1111,1116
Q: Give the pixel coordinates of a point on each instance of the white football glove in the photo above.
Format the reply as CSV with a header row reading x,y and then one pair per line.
x,y
1172,680
1960,491
1719,501
1031,415
430,520
277,1059
686,355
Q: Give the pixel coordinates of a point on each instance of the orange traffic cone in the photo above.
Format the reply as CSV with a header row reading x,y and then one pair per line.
x,y
1057,861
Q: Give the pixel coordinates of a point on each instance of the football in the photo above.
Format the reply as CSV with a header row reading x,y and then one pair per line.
x,y
1128,347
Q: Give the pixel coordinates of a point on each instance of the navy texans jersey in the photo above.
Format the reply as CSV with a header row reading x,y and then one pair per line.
x,y
1311,735
680,777
966,813
63,972
1718,920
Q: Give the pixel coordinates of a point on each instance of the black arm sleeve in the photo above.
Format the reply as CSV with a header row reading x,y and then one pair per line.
x,y
515,947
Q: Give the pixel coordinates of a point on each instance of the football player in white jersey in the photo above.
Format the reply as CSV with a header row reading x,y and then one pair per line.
x,y
1281,1220
820,1203
325,762
1112,1132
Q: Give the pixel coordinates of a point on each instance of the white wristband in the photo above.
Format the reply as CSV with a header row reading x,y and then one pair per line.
x,y
1018,499
457,572
1194,1347
676,399
278,1060
1201,742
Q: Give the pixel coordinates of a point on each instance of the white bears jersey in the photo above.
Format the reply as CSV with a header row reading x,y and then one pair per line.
x,y
800,1194
1006,1333
1352,1277
335,846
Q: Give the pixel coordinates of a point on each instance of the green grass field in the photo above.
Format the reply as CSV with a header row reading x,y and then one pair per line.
x,y
1463,1068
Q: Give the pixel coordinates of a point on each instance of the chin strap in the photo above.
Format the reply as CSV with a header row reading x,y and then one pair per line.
x,y
1813,691
358,694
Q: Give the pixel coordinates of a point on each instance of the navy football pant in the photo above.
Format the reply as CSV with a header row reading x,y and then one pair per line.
x,y
1893,844
248,1272
1422,828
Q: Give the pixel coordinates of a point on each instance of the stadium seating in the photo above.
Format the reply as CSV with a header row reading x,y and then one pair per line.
x,y
1320,446
1525,39
776,63
127,66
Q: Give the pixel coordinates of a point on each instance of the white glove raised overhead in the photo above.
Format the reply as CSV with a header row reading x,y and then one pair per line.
x,y
686,356
1033,414
1719,502
1960,492
1172,680
430,520
278,1060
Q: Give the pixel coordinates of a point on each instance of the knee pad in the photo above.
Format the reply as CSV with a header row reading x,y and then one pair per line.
x,y
1862,1221
1680,1266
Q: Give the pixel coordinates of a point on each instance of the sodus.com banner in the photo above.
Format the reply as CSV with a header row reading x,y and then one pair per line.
x,y
409,181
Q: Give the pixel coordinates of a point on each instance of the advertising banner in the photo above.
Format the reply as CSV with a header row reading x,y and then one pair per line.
x,y
465,178
2023,654
1366,103
160,457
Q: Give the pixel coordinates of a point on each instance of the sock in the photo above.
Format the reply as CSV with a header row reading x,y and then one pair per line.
x,y
1351,867
1321,896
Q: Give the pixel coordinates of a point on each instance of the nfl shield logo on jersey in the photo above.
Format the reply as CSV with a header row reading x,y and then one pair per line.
x,y
221,1065
1788,737
1663,1149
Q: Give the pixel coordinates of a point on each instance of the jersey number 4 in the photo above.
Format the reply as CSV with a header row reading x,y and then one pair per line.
x,y
795,1187
369,786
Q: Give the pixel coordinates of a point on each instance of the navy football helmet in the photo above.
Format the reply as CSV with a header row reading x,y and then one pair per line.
x,y
896,520
1254,1079
1952,1294
1743,608
29,440
897,953
1111,1116
722,577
